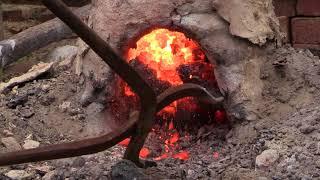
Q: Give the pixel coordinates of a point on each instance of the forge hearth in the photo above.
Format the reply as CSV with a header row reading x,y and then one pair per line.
x,y
167,58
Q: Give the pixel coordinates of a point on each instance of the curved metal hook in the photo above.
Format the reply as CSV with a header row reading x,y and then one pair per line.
x,y
98,144
185,90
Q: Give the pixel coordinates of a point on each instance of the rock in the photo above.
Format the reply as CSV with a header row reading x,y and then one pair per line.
x,y
65,106
26,112
126,170
18,174
7,133
42,170
51,176
75,111
11,143
318,164
262,178
63,52
79,162
88,95
203,23
45,87
30,144
94,108
203,6
47,99
16,100
267,158
64,56
3,177
32,74
318,149
2,118
190,173
254,21
307,129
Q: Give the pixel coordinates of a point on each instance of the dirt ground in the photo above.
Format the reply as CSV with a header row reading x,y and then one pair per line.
x,y
283,142
48,111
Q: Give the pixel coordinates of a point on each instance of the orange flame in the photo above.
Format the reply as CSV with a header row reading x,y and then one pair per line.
x,y
164,50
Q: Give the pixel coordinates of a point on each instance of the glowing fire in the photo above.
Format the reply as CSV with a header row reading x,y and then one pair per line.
x,y
144,153
164,51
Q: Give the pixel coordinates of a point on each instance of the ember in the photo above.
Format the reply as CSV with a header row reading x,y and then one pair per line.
x,y
164,51
168,58
144,153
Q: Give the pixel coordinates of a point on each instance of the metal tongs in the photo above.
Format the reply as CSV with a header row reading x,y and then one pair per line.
x,y
137,128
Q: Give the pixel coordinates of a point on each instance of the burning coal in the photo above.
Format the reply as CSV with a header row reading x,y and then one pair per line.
x,y
168,58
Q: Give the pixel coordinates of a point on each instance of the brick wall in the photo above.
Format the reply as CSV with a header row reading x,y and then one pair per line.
x,y
300,21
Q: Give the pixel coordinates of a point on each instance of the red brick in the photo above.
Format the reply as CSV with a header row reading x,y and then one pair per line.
x,y
285,7
308,7
285,27
307,46
305,30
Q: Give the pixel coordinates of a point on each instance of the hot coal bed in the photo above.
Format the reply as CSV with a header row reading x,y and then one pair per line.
x,y
166,58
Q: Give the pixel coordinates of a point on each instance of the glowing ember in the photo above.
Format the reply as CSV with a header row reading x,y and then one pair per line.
x,y
125,142
172,59
174,138
216,155
163,156
220,116
164,50
182,155
144,153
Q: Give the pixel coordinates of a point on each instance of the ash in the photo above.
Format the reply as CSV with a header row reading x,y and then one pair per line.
x,y
281,143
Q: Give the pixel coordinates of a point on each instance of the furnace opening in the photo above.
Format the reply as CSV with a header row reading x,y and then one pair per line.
x,y
167,58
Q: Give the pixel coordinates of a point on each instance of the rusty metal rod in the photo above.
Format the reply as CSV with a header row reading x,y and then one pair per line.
x,y
72,149
120,66
185,90
99,46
